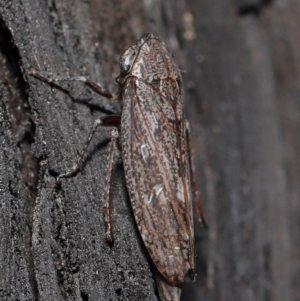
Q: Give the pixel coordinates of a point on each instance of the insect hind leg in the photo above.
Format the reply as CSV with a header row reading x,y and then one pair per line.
x,y
195,191
166,291
113,146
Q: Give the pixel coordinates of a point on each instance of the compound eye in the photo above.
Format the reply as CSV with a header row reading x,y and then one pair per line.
x,y
125,68
127,60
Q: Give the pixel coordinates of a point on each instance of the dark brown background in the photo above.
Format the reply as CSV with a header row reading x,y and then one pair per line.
x,y
241,67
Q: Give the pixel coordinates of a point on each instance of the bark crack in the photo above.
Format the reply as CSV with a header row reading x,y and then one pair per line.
x,y
23,130
253,8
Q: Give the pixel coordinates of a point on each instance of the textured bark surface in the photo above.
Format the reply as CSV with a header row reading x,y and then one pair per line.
x,y
241,62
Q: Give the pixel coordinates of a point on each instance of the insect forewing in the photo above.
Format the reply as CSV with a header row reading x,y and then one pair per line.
x,y
157,174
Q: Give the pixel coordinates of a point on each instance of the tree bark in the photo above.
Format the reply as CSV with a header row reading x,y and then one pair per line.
x,y
241,75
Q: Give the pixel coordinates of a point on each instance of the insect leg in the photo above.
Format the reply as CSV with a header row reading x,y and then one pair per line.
x,y
167,292
114,137
111,120
195,191
94,86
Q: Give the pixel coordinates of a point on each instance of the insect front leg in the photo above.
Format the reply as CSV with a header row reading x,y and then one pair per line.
x,y
195,191
94,86
111,120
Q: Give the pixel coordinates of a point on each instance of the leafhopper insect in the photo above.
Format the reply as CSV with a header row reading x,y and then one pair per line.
x,y
152,135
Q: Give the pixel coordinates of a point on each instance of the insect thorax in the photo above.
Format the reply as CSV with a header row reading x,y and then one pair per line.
x,y
150,61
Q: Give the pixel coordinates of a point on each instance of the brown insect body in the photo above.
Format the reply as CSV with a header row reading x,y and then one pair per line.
x,y
155,156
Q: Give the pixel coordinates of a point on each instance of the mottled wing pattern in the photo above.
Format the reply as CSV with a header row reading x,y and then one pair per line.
x,y
157,174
